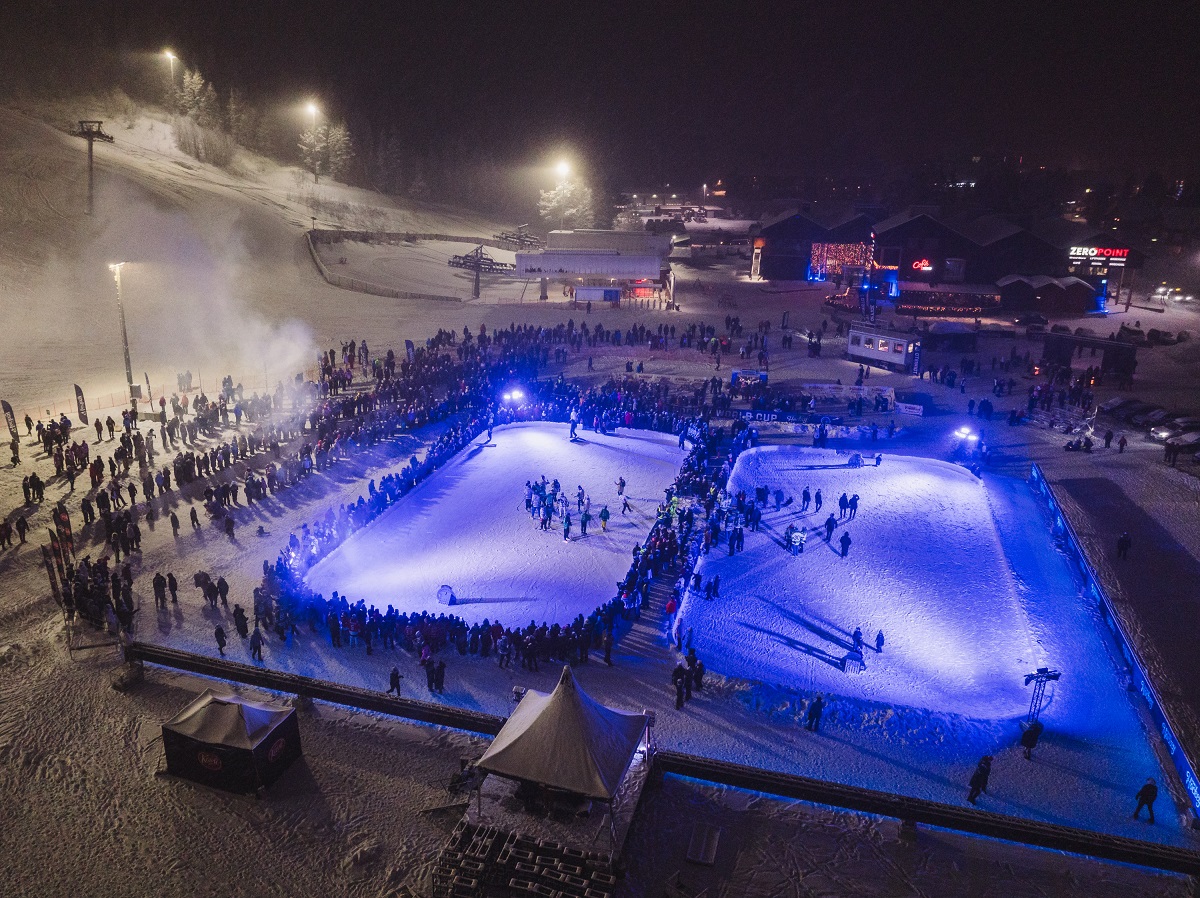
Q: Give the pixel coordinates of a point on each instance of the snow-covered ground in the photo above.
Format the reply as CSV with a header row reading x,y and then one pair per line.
x,y
925,567
220,282
467,527
420,267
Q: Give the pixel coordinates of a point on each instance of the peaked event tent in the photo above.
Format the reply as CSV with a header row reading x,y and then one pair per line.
x,y
225,742
566,740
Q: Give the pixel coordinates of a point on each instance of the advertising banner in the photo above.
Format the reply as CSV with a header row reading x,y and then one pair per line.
x,y
81,405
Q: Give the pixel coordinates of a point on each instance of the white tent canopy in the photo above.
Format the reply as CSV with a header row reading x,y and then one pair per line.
x,y
566,740
226,720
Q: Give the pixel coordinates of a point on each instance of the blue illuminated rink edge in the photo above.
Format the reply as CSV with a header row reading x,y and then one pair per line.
x,y
1071,542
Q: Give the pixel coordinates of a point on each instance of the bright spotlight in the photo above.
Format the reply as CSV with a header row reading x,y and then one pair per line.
x,y
563,168
517,394
171,56
508,397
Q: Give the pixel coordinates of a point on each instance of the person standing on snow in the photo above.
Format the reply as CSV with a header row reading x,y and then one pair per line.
x,y
830,526
604,516
256,644
812,720
1029,738
817,501
567,527
219,633
439,677
879,642
845,541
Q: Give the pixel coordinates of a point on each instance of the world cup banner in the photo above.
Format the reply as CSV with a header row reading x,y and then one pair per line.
x,y
80,404
10,418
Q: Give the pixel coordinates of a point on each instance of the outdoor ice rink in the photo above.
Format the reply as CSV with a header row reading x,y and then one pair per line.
x,y
926,567
467,527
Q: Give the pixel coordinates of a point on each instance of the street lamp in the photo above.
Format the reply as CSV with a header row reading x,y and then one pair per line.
x,y
115,268
171,61
563,168
312,110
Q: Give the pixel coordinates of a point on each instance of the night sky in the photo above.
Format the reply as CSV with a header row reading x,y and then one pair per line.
x,y
675,91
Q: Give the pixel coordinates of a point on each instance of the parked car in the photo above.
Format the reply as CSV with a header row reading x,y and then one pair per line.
x,y
1125,413
1033,319
1111,405
1191,438
1166,432
1140,416
1161,416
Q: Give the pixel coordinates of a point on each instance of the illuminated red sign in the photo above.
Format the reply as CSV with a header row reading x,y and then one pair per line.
x,y
922,265
1092,252
1099,257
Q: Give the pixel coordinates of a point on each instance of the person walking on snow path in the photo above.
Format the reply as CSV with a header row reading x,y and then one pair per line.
x,y
604,516
1123,544
256,644
830,526
853,506
567,527
817,501
219,633
858,640
625,506
979,779
394,682
1145,799
843,505
845,541
879,642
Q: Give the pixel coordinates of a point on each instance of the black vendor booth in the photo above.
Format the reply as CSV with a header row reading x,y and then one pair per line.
x,y
227,743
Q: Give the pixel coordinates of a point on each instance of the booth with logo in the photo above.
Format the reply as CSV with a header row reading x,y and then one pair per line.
x,y
229,743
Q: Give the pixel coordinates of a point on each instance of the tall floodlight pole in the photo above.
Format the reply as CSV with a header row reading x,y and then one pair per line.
x,y
116,270
171,60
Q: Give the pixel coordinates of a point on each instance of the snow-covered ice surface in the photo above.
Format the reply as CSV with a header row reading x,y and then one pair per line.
x,y
925,567
466,526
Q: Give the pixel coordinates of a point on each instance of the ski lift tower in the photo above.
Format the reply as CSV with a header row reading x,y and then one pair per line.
x,y
1039,679
91,131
